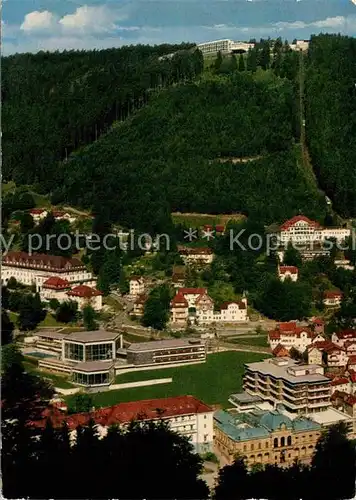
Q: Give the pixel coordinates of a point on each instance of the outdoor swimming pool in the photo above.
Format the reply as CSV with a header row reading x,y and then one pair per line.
x,y
37,354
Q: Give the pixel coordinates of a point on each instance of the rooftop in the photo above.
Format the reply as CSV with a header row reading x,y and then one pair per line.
x,y
260,423
245,397
95,336
93,366
125,412
164,344
280,368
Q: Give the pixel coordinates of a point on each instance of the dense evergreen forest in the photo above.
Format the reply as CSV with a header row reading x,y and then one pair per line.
x,y
54,103
168,157
331,117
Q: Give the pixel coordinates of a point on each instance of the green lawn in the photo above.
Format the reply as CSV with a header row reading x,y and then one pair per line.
x,y
212,382
57,380
260,341
48,321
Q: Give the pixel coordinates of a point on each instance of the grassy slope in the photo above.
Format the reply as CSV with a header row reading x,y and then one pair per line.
x,y
212,382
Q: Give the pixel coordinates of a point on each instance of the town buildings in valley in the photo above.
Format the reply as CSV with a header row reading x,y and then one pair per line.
x,y
185,415
265,437
196,255
194,305
290,334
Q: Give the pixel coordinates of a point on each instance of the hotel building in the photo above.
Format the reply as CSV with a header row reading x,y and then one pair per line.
x,y
302,389
166,351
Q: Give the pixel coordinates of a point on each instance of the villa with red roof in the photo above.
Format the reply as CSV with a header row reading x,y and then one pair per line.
x,y
85,295
332,298
185,414
289,335
38,214
194,305
288,272
300,229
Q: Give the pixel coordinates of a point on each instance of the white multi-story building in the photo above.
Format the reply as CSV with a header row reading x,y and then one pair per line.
x,y
224,46
301,230
302,389
137,285
185,414
85,295
194,305
37,268
291,335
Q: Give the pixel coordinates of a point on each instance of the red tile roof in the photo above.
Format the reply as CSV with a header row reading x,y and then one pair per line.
x,y
346,334
350,343
219,229
287,326
84,291
288,269
339,381
352,375
123,413
332,294
280,351
321,344
318,321
352,360
298,218
289,329
208,227
41,261
179,301
56,282
350,400
37,211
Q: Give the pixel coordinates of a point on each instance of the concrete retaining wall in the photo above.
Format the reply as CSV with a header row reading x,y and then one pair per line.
x,y
114,387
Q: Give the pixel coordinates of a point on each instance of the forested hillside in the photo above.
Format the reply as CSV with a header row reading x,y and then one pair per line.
x,y
166,157
330,86
54,103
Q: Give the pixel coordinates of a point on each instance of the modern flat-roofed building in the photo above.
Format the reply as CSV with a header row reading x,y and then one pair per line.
x,y
88,357
300,388
169,351
224,46
185,414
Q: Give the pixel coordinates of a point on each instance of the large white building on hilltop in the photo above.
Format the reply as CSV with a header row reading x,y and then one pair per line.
x,y
224,46
301,230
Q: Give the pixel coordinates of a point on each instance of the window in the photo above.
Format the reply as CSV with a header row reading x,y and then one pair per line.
x,y
252,447
74,351
283,441
275,443
289,441
98,352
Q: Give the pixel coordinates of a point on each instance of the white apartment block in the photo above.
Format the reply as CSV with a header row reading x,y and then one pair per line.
x,y
224,46
37,268
302,389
